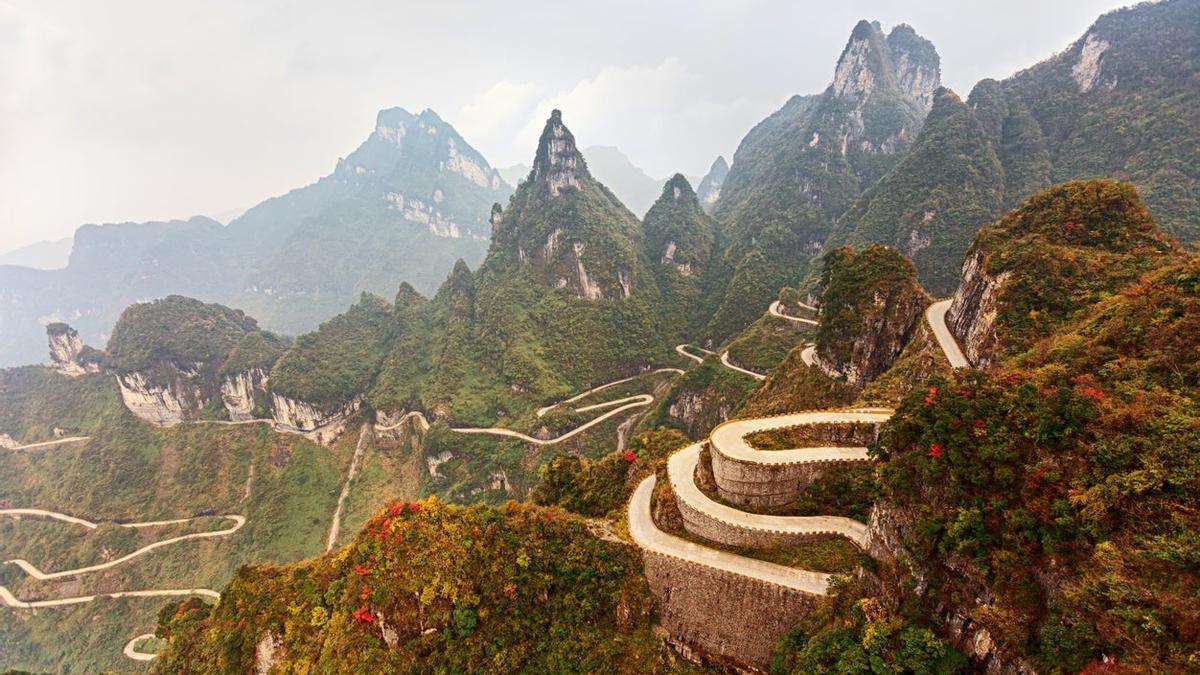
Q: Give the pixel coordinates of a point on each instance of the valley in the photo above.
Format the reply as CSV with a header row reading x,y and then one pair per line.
x,y
910,385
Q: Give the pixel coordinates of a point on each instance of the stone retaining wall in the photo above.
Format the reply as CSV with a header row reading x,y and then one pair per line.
x,y
720,617
764,485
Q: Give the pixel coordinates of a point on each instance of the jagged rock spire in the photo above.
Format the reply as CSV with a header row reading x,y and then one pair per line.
x,y
558,163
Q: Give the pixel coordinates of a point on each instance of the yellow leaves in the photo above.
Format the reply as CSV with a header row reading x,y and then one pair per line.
x,y
318,617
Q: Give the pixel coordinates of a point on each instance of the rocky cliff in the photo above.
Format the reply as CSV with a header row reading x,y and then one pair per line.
x,y
972,314
243,392
709,190
799,170
1061,251
68,354
170,396
870,304
320,424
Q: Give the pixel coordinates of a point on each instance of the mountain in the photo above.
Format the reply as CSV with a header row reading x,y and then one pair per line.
x,y
1059,252
678,238
709,189
930,205
414,197
110,267
566,261
42,255
1121,101
629,182
404,206
798,170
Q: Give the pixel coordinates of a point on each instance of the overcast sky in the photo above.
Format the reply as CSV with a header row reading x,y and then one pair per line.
x,y
151,109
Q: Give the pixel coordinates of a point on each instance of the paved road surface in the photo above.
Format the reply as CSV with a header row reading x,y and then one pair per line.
x,y
774,310
936,316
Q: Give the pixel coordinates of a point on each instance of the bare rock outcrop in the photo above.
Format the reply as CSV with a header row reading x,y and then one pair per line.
x,y
871,306
68,354
162,401
972,314
315,422
242,391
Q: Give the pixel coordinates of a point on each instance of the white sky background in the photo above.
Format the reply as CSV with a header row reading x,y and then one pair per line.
x,y
157,109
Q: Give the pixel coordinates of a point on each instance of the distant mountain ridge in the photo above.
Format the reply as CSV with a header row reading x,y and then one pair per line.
x,y
799,169
41,255
1121,101
410,201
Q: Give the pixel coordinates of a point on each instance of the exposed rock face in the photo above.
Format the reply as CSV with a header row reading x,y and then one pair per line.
x,y
871,304
558,160
241,391
308,419
162,404
434,462
68,355
915,65
887,529
1087,69
700,410
709,190
972,314
268,653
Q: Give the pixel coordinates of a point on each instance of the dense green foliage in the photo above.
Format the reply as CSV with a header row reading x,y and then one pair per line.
x,y
339,359
1064,249
1065,483
175,330
930,204
452,589
850,633
602,487
678,239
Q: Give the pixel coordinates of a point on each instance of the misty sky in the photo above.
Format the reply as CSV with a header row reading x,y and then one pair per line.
x,y
151,109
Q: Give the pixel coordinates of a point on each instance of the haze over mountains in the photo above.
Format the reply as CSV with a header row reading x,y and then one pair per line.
x,y
527,426
405,205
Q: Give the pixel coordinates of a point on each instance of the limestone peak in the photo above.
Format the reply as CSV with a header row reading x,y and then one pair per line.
x,y
558,162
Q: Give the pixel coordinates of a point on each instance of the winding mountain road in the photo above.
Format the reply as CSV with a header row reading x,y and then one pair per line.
x,y
46,444
33,571
647,536
729,440
809,355
935,314
131,653
730,365
11,600
774,310
618,406
682,350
